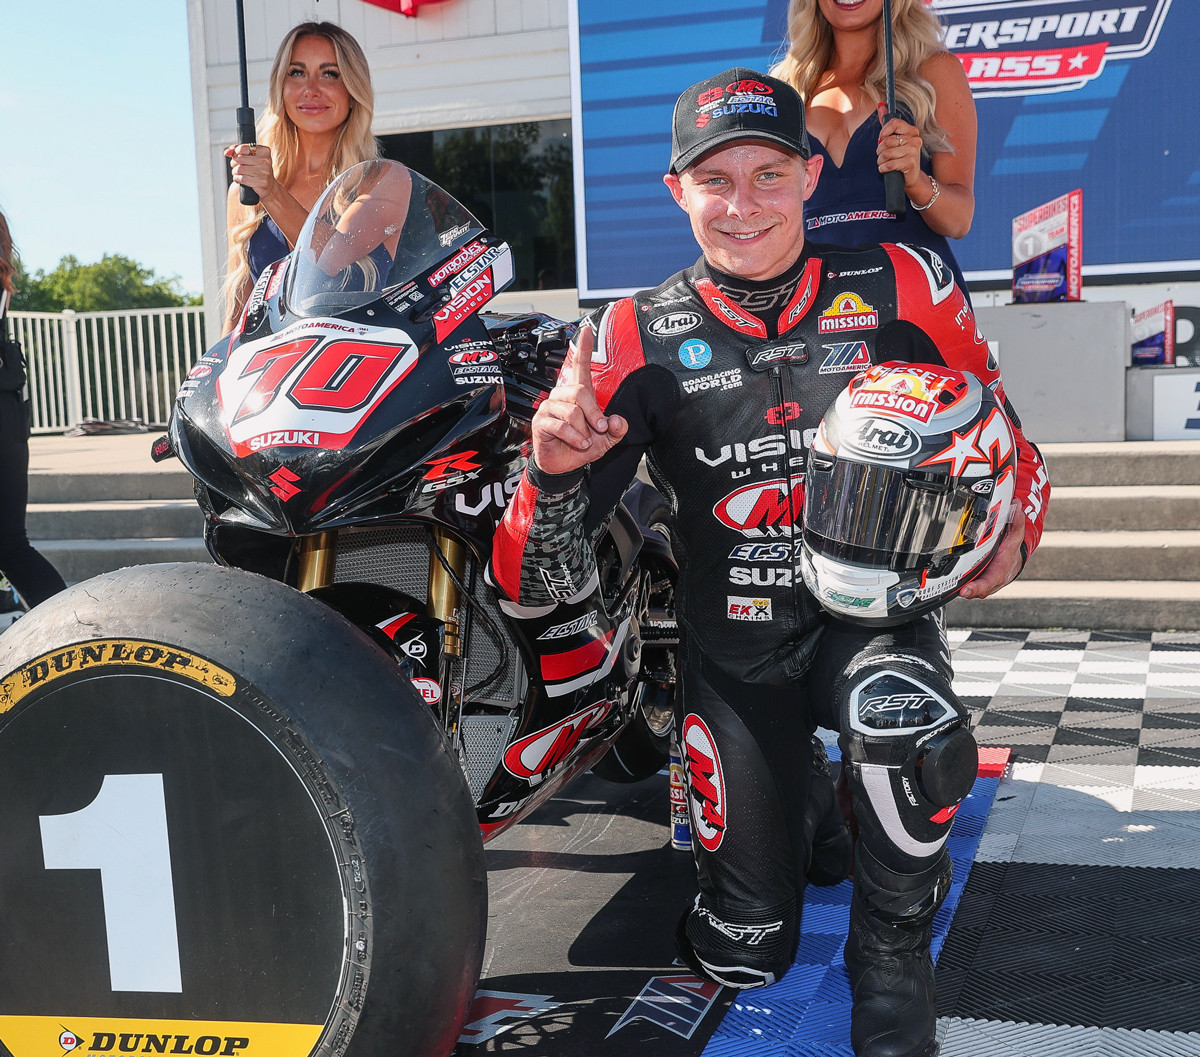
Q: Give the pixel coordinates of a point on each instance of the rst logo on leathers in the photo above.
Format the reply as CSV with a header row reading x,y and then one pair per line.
x,y
706,782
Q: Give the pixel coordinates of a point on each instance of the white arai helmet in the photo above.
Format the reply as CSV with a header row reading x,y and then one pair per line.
x,y
908,488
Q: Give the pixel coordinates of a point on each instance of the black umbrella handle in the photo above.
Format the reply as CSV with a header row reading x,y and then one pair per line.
x,y
245,134
245,115
894,198
895,201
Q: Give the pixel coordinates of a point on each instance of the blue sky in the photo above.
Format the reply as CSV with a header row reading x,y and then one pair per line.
x,y
97,150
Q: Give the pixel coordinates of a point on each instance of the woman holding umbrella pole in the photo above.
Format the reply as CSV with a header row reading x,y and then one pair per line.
x,y
317,124
837,61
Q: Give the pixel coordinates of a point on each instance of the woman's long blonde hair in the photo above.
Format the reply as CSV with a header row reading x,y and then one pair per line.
x,y
6,268
916,35
354,141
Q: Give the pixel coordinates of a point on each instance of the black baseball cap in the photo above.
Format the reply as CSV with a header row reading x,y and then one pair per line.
x,y
736,104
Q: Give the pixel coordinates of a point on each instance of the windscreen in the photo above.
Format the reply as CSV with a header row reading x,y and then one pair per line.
x,y
378,225
881,517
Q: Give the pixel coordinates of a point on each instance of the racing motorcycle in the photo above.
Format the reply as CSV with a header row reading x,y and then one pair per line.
x,y
354,443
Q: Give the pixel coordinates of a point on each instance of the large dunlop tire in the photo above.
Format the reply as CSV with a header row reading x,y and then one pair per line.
x,y
229,827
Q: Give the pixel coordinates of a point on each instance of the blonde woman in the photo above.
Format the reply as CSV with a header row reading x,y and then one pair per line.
x,y
835,61
34,578
317,123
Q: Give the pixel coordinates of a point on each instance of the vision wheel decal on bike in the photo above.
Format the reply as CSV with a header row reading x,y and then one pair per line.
x,y
211,844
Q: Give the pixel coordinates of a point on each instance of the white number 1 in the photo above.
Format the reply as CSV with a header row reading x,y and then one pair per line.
x,y
123,834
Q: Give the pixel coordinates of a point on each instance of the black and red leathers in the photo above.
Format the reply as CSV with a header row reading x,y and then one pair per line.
x,y
722,395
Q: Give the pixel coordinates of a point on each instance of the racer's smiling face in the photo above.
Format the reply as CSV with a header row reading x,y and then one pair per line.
x,y
745,200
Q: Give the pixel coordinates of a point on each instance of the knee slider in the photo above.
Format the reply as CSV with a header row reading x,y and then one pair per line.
x,y
947,765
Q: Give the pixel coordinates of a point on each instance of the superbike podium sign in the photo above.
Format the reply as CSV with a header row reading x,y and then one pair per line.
x,y
1047,251
1069,94
1153,335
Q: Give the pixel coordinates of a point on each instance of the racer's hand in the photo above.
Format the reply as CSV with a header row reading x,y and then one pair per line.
x,y
899,150
569,429
1005,564
250,165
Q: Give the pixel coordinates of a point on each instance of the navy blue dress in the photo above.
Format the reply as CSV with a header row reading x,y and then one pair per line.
x,y
847,207
265,246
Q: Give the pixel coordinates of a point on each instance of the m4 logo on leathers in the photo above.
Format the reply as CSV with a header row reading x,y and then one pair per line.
x,y
767,509
706,782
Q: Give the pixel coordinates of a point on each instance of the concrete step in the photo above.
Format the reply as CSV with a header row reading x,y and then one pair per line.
x,y
1152,555
1128,462
1116,605
81,559
114,519
67,487
1123,508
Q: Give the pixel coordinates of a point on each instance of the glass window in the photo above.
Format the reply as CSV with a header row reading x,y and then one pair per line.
x,y
516,179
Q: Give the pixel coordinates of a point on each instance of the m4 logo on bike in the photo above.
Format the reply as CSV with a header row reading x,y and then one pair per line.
x,y
533,756
706,782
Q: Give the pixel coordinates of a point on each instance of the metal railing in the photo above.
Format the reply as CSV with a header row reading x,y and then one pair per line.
x,y
107,366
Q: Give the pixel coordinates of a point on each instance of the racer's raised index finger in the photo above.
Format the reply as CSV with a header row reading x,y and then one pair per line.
x,y
578,365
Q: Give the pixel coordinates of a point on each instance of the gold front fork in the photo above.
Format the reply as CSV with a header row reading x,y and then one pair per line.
x,y
317,554
444,600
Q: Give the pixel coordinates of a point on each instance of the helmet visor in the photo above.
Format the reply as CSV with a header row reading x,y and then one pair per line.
x,y
887,518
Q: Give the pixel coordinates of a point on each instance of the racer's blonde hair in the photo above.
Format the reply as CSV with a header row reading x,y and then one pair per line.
x,y
916,35
354,141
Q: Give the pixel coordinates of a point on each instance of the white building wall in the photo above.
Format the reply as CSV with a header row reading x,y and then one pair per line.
x,y
458,63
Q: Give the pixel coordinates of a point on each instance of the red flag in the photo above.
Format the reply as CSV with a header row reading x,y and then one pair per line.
x,y
405,7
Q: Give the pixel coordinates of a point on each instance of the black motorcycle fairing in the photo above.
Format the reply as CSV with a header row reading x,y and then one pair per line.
x,y
300,422
397,623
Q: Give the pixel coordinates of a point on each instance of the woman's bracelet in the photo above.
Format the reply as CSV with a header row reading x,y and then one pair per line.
x,y
937,190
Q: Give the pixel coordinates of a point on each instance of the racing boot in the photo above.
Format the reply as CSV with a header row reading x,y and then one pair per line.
x,y
831,848
888,958
753,952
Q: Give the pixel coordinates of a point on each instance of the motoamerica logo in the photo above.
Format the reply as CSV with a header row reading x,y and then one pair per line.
x,y
1014,47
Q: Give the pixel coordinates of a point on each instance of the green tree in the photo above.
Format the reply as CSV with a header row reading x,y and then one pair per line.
x,y
110,284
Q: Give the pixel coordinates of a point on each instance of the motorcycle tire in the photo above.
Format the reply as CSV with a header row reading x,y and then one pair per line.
x,y
229,827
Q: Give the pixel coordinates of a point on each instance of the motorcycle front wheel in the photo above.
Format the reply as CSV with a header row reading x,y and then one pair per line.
x,y
229,826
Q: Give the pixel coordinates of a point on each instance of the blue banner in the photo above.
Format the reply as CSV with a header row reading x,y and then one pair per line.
x,y
1070,93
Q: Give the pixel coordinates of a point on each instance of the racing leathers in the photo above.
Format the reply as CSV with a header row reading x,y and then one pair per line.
x,y
723,383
